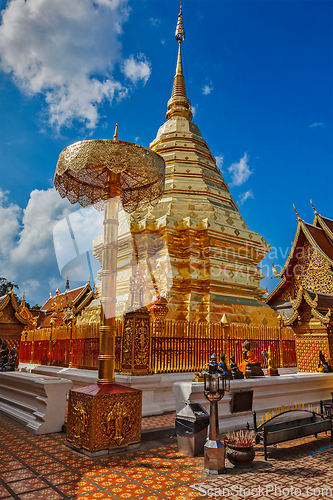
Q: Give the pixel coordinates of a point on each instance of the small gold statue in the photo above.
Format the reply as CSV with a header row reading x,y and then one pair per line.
x,y
272,371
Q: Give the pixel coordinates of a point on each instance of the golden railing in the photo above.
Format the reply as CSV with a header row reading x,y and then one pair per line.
x,y
175,346
182,346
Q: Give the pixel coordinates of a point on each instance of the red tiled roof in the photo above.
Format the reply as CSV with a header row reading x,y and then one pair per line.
x,y
61,299
47,321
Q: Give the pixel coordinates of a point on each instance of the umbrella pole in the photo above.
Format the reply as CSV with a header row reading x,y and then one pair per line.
x,y
106,358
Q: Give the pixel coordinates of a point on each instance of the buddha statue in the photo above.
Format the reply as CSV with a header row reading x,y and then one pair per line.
x,y
4,353
10,366
272,371
223,367
250,366
235,372
323,365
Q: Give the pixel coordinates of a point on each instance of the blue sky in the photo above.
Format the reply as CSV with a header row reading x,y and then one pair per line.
x,y
258,74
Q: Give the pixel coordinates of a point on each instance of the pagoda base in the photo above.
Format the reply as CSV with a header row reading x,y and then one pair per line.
x,y
103,418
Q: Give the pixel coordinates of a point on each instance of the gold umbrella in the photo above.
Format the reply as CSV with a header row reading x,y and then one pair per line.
x,y
104,173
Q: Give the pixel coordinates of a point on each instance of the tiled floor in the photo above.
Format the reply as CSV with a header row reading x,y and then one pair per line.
x,y
43,467
158,421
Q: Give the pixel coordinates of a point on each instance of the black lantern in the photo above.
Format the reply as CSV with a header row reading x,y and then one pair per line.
x,y
216,382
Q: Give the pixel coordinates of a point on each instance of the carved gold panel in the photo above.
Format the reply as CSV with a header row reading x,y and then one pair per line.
x,y
102,418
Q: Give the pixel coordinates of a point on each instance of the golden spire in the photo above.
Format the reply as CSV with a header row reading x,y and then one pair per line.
x,y
299,217
115,137
179,104
314,209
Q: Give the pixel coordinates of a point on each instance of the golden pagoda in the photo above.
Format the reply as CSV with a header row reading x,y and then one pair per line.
x,y
194,248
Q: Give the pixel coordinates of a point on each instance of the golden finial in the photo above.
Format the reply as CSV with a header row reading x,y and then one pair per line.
x,y
224,320
57,291
180,31
23,301
115,137
67,284
179,104
314,209
299,217
275,271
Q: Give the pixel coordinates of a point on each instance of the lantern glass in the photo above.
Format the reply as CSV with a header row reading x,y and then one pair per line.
x,y
214,383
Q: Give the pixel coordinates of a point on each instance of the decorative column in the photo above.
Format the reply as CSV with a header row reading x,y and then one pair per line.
x,y
107,346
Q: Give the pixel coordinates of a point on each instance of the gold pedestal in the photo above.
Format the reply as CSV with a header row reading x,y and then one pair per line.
x,y
104,417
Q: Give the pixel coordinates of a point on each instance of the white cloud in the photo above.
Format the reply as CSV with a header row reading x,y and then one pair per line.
x,y
155,21
26,244
137,69
243,197
240,171
194,110
136,139
30,287
35,243
9,226
219,162
317,124
207,89
66,52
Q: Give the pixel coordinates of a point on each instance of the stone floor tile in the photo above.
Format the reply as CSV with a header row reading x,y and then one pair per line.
x,y
6,457
93,470
78,462
112,479
40,460
166,466
42,470
186,475
128,491
66,455
158,482
118,463
3,492
62,477
149,458
190,461
55,448
12,465
150,497
181,493
139,472
27,485
96,495
77,488
28,453
46,494
17,475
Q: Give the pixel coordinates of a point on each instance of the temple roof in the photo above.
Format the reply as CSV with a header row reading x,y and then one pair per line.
x,y
62,300
325,301
324,223
320,236
317,238
21,312
60,308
